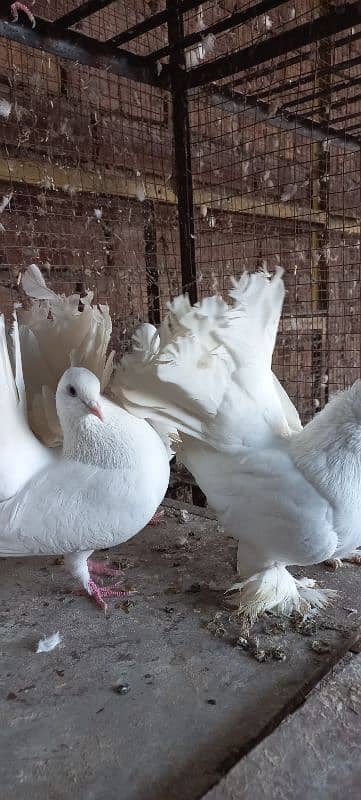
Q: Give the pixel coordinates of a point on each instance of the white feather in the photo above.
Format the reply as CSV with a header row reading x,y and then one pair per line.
x,y
55,334
48,643
34,285
21,455
5,109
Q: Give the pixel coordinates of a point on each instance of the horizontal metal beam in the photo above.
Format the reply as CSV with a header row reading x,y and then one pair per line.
x,y
263,71
74,46
82,12
343,17
343,86
270,70
346,101
146,25
355,115
355,127
150,23
235,103
221,26
303,80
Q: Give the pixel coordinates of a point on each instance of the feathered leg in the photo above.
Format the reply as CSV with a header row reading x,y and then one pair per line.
x,y
275,589
77,565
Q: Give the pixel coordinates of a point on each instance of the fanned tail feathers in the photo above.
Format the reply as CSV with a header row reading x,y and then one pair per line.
x,y
56,332
11,381
145,342
35,287
21,455
209,362
178,385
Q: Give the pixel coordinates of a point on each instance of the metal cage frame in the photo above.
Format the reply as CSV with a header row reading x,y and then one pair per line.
x,y
59,39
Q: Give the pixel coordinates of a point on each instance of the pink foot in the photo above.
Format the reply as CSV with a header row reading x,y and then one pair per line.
x,y
98,593
16,7
334,563
354,558
102,568
157,519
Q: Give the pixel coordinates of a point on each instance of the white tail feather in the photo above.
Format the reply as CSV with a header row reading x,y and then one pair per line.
x,y
21,455
9,397
209,373
145,341
34,285
57,332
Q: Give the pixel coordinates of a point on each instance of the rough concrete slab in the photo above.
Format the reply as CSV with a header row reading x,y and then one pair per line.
x,y
315,753
196,700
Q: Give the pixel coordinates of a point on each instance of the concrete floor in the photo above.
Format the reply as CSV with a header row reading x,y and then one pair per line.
x,y
197,700
314,754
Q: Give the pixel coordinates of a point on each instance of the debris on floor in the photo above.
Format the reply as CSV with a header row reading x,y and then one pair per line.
x,y
194,687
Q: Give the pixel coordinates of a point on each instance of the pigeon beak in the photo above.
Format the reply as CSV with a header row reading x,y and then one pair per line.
x,y
96,409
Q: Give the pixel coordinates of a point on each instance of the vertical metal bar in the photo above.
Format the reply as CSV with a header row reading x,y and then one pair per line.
x,y
316,367
320,196
80,289
150,248
183,164
182,149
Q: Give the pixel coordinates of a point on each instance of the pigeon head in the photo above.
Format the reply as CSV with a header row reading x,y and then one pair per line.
x,y
78,395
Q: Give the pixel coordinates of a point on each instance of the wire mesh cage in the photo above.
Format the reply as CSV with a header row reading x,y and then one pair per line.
x,y
150,147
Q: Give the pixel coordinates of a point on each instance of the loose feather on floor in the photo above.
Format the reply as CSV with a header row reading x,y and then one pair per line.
x,y
49,643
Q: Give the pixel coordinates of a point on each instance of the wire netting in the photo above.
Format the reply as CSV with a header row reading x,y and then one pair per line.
x,y
89,189
277,182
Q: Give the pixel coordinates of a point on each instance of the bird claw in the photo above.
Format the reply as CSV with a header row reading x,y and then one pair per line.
x,y
334,563
98,593
156,519
352,558
17,6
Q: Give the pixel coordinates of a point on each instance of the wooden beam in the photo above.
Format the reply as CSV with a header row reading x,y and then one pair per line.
x,y
309,323
119,184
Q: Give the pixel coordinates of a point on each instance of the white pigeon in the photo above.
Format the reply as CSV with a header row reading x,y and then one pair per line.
x,y
289,495
58,331
96,492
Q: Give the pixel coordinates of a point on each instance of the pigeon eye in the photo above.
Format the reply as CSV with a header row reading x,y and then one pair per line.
x,y
72,391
